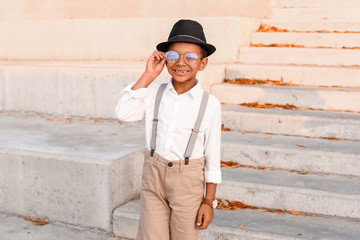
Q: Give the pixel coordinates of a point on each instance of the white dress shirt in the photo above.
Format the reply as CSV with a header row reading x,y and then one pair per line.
x,y
177,116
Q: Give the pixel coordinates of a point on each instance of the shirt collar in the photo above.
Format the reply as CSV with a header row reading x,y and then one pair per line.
x,y
195,91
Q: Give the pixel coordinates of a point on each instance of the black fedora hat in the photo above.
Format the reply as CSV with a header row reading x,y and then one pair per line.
x,y
187,31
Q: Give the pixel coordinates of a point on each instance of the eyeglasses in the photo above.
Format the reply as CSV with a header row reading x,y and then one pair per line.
x,y
173,57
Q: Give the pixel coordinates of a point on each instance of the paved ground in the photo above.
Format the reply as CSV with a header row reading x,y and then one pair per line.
x,y
15,228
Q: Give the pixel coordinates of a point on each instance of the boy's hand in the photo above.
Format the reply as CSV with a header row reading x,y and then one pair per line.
x,y
155,63
154,66
204,217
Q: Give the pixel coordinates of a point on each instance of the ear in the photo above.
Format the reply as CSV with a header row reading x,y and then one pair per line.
x,y
203,64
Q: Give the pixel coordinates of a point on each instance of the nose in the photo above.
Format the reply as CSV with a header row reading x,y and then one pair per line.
x,y
181,60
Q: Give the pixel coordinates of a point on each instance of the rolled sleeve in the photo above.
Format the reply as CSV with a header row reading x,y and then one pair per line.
x,y
213,176
131,106
138,93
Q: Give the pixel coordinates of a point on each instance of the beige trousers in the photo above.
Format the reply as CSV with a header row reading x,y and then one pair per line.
x,y
170,198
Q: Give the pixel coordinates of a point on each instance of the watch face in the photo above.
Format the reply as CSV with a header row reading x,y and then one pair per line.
x,y
214,203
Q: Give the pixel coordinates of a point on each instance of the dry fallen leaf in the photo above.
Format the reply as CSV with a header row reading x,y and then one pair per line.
x,y
98,121
300,145
242,225
277,45
236,205
224,128
268,105
116,134
35,221
69,120
294,212
51,120
82,119
267,28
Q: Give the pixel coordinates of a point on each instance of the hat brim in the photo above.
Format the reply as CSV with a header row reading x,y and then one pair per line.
x,y
162,47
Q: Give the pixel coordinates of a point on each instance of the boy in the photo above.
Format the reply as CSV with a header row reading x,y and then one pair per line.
x,y
172,195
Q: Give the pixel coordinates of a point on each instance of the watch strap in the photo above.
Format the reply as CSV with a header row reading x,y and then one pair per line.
x,y
208,202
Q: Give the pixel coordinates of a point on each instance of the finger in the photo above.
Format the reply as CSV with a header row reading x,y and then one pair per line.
x,y
163,60
160,56
199,219
206,221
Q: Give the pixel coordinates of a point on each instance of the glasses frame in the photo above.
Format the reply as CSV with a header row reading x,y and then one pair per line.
x,y
185,59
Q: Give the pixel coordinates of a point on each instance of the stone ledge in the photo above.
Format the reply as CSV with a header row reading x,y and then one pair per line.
x,y
77,88
70,173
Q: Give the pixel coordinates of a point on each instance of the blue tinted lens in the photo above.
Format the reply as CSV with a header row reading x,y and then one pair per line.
x,y
191,56
172,55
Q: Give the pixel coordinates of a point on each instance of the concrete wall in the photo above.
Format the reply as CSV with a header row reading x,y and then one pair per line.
x,y
89,89
114,39
70,9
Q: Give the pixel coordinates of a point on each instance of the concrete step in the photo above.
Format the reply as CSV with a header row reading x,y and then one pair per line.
x,y
342,13
68,9
302,75
332,40
314,25
76,88
300,56
327,195
341,99
292,153
14,228
292,122
113,38
318,3
64,168
255,225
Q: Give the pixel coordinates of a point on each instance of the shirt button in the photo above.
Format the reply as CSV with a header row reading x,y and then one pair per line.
x,y
170,164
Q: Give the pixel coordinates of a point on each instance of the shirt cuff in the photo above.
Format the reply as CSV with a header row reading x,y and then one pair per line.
x,y
213,176
138,93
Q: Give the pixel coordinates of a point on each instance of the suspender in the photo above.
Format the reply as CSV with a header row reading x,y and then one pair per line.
x,y
195,130
155,119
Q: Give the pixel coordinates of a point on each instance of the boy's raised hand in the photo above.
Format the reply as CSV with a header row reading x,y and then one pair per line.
x,y
154,66
155,63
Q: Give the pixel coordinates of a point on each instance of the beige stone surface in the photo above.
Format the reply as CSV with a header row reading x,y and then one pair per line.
x,y
114,39
70,9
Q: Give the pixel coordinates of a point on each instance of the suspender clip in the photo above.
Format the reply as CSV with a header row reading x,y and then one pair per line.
x,y
195,130
186,161
152,152
155,120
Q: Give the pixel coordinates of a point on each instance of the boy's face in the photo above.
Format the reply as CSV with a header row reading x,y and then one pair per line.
x,y
181,71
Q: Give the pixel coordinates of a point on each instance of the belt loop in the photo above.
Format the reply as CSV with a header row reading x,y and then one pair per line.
x,y
186,161
181,166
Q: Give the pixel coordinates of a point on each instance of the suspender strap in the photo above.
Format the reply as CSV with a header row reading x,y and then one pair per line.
x,y
195,130
155,119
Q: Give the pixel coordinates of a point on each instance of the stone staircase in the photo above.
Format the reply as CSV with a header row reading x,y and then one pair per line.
x,y
304,160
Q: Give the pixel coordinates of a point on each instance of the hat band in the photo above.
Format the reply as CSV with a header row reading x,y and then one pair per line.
x,y
186,36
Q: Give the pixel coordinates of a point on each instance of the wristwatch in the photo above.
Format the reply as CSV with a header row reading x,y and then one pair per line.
x,y
211,203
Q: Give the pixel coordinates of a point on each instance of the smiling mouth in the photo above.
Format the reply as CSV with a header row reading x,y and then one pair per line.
x,y
181,72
